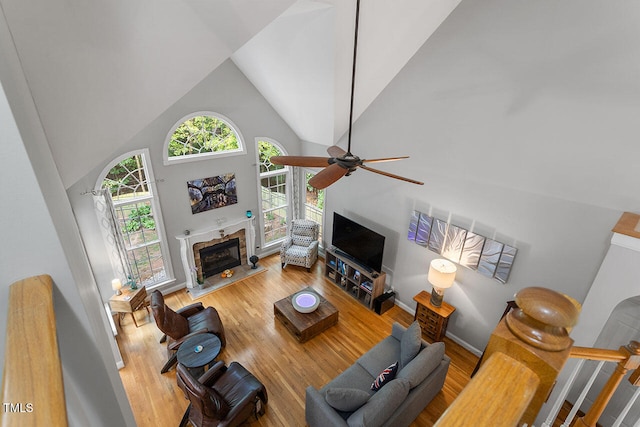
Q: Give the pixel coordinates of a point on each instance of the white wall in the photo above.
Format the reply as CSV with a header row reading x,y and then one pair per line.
x,y
514,123
31,247
40,236
225,91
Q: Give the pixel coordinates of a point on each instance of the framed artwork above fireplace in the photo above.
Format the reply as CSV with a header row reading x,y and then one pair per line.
x,y
212,193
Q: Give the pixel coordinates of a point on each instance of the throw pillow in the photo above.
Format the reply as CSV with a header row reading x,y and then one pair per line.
x,y
385,376
423,364
410,343
346,399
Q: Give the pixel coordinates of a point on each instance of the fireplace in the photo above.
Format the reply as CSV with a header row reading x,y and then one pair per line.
x,y
225,230
220,257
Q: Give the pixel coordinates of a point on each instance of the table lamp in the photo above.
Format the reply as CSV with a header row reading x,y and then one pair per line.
x,y
441,276
116,285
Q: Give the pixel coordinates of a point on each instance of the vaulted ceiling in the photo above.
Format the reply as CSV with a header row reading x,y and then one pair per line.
x,y
99,72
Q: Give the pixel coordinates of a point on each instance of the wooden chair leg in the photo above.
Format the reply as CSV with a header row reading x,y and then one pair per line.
x,y
172,361
185,417
134,319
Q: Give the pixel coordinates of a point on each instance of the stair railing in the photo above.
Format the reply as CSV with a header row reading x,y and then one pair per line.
x,y
626,358
525,354
32,386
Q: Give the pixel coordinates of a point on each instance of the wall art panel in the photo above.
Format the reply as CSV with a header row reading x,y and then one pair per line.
x,y
454,243
413,225
424,229
472,250
490,257
505,263
438,233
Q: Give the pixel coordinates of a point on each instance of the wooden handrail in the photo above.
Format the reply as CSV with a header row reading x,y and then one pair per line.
x,y
597,354
512,386
32,386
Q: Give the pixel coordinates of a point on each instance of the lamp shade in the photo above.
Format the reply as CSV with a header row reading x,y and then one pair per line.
x,y
441,273
116,284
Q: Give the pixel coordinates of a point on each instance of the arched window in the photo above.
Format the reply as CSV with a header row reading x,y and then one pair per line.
x,y
274,181
200,136
129,181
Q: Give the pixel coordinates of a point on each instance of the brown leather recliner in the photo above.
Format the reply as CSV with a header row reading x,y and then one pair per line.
x,y
222,396
182,324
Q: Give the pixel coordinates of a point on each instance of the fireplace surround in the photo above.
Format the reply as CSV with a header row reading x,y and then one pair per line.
x,y
223,231
219,257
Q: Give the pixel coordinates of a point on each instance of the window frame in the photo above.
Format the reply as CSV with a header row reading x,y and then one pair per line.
x,y
288,172
242,149
154,200
305,206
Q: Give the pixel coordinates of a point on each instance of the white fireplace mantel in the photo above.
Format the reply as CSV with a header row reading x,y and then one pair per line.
x,y
218,231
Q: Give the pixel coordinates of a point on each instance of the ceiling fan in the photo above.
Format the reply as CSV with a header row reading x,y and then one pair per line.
x,y
341,163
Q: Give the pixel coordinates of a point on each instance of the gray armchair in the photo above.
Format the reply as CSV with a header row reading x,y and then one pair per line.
x,y
301,247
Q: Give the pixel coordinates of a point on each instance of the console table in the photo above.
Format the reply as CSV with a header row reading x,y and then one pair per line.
x,y
433,320
129,302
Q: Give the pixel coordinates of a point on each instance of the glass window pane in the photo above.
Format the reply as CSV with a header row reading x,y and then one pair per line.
x,y
275,224
128,184
203,134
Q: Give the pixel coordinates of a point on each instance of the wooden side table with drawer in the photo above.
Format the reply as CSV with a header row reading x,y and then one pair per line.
x,y
129,302
433,320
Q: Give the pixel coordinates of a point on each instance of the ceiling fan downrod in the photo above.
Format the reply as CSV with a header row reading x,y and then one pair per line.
x,y
353,76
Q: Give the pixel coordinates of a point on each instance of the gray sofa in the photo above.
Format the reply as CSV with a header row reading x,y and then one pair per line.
x,y
348,400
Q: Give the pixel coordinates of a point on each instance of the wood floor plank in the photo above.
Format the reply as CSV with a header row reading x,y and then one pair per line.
x,y
266,348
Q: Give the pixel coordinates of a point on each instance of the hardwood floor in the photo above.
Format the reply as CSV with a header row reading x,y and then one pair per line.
x,y
265,347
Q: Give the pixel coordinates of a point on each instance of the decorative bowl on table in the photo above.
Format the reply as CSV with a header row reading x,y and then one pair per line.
x,y
305,302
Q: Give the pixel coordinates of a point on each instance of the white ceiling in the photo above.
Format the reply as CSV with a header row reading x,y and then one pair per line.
x,y
100,72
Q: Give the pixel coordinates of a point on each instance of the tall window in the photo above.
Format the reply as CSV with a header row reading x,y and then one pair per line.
x,y
274,182
314,202
138,215
202,135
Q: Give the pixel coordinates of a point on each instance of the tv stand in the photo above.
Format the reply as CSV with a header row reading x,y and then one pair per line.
x,y
362,283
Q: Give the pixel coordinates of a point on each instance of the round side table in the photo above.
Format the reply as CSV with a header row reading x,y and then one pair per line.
x,y
199,351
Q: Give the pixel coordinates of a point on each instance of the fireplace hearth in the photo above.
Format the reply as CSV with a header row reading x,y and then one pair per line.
x,y
220,257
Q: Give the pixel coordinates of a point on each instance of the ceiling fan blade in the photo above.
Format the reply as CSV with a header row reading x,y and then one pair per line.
x,y
328,176
304,161
386,159
413,181
335,151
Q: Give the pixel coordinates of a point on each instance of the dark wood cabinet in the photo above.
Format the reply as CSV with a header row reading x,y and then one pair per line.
x,y
433,320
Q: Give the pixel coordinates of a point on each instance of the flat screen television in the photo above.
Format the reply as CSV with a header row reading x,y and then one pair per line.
x,y
365,246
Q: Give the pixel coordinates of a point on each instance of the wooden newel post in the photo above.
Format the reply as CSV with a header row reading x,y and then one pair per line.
x,y
535,334
632,361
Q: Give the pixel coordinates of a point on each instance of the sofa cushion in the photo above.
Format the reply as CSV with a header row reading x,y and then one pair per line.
x,y
423,364
385,376
380,356
346,399
381,405
410,343
355,376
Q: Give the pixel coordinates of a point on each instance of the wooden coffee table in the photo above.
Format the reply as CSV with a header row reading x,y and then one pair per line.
x,y
305,326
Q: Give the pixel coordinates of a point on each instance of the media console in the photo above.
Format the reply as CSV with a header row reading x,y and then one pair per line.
x,y
361,282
